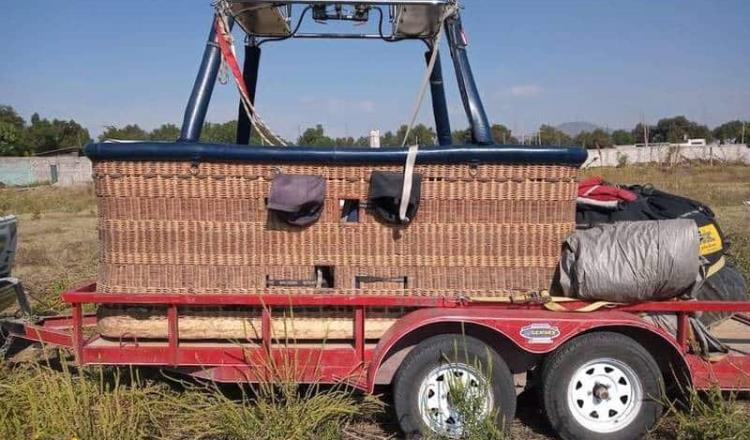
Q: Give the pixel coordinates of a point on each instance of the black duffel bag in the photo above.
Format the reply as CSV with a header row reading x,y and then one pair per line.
x,y
664,205
653,204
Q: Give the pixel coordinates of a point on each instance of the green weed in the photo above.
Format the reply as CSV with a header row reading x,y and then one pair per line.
x,y
711,415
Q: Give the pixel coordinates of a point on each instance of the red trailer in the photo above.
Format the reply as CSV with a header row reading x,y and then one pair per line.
x,y
596,369
600,369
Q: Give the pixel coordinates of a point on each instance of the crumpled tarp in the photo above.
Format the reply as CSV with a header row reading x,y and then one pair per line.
x,y
632,261
725,285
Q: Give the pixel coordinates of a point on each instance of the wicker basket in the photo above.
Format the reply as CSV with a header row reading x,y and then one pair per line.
x,y
177,227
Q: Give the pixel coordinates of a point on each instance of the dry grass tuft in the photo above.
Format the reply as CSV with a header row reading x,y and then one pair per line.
x,y
40,200
712,415
40,403
106,404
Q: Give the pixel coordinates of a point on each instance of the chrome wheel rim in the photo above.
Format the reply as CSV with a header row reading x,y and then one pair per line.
x,y
605,395
436,398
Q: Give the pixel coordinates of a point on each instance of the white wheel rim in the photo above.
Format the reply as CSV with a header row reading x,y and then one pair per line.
x,y
605,395
435,406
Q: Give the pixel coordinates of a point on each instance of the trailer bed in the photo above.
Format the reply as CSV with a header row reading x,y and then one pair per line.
x,y
734,333
528,327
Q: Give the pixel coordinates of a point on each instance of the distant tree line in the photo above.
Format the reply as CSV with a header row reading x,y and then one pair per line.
x,y
40,135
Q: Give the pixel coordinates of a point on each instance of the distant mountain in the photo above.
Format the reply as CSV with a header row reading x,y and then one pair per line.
x,y
572,129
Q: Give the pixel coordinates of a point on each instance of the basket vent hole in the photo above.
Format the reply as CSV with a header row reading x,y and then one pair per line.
x,y
349,210
324,276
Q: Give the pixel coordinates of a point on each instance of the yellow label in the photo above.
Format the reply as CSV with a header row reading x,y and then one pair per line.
x,y
710,239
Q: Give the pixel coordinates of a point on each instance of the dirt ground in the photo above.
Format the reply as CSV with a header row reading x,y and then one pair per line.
x,y
58,249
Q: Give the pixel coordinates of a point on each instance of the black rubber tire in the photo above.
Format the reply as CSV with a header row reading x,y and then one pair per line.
x,y
558,371
442,349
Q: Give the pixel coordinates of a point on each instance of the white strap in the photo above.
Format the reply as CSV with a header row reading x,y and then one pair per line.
x,y
411,159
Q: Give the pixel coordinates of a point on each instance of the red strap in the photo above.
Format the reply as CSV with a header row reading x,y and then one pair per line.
x,y
222,37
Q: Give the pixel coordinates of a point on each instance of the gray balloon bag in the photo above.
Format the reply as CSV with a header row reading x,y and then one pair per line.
x,y
632,261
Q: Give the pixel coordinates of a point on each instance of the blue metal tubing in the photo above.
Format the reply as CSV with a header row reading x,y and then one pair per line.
x,y
203,88
439,106
335,155
481,132
250,76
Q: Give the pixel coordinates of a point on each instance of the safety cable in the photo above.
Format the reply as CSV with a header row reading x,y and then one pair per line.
x,y
229,56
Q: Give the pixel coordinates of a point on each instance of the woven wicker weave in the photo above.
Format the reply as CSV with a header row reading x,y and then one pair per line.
x,y
177,227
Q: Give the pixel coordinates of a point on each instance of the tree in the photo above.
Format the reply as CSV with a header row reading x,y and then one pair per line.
x,y
44,135
166,132
315,137
731,132
549,135
640,131
677,129
12,134
622,137
9,116
11,141
502,135
594,139
462,137
131,132
389,140
419,134
220,133
362,141
346,141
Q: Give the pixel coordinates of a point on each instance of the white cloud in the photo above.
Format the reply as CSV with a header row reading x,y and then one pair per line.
x,y
526,90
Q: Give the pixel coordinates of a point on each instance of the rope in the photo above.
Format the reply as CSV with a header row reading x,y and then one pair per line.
x,y
430,67
411,157
229,55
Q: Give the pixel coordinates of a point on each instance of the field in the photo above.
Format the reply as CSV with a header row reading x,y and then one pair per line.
x,y
58,248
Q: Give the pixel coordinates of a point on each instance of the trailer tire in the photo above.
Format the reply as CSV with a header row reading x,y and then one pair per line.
x,y
421,402
602,385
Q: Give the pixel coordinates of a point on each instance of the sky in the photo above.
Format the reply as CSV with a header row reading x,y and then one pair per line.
x,y
609,62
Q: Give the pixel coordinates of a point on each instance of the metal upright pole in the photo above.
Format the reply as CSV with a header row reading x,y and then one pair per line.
x,y
197,106
439,106
250,76
481,132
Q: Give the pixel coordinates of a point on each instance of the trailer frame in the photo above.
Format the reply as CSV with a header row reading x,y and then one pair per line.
x,y
364,363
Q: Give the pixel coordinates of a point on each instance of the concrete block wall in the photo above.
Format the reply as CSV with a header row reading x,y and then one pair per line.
x,y
630,154
56,170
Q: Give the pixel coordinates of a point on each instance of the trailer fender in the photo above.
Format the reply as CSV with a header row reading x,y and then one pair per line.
x,y
527,334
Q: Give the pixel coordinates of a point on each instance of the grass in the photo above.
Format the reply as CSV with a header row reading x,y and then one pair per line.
x,y
58,247
99,403
712,415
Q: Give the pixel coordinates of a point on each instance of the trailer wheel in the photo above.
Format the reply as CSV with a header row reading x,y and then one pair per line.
x,y
449,382
604,386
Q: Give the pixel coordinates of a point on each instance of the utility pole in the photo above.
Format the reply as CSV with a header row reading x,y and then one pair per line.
x,y
744,123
